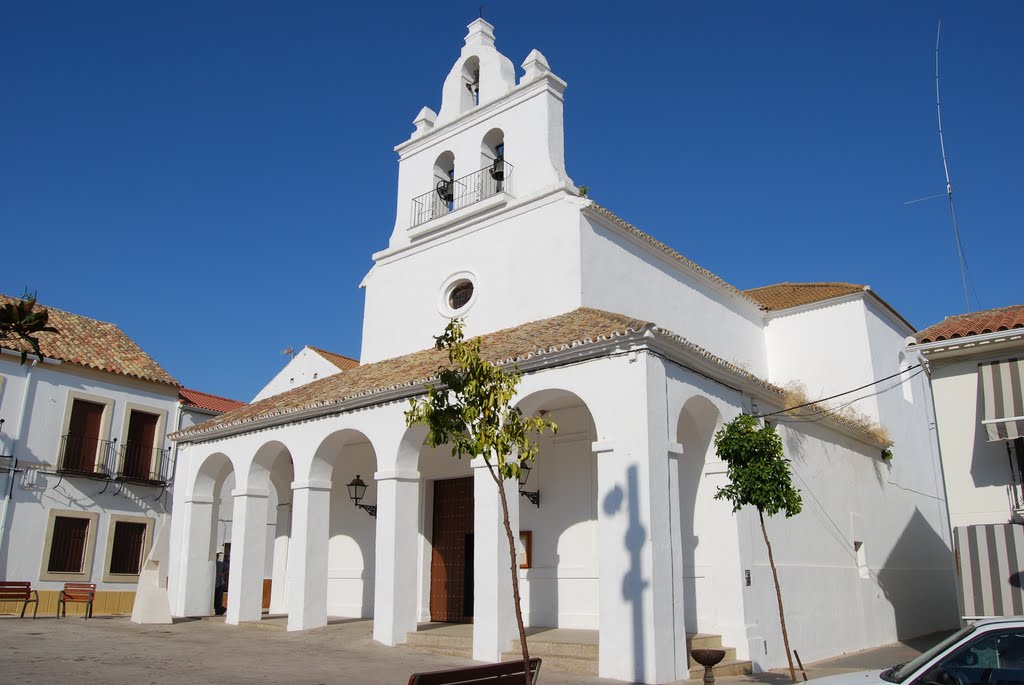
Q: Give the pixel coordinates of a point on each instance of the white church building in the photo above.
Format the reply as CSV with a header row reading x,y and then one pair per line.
x,y
639,355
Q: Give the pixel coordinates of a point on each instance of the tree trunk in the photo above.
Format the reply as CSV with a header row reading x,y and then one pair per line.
x,y
778,595
515,573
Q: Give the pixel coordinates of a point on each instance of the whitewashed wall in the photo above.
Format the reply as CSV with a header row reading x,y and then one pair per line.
x,y
904,586
514,281
38,490
624,275
825,346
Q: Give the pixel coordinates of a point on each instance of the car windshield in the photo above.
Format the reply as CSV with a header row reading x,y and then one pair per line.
x,y
903,671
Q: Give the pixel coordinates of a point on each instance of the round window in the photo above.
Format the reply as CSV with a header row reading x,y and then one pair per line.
x,y
460,295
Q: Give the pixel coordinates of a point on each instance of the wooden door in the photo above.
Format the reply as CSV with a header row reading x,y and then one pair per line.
x,y
138,454
83,437
451,563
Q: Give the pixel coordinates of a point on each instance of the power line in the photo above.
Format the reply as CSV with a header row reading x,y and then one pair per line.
x,y
822,413
832,397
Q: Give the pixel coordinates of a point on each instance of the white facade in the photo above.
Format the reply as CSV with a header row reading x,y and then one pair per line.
x,y
628,539
36,401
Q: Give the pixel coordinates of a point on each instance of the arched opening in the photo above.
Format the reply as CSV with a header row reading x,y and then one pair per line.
x,y
471,82
253,525
350,534
695,431
560,586
905,376
492,158
444,184
204,581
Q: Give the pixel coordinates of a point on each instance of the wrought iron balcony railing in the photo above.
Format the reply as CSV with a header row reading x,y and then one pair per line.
x,y
452,195
136,463
84,456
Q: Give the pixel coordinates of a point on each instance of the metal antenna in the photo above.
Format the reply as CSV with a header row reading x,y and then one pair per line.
x,y
945,166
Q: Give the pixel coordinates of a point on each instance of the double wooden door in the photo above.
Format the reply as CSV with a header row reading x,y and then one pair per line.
x,y
451,563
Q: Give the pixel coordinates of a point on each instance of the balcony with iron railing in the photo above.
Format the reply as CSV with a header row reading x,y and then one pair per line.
x,y
452,195
139,463
104,459
83,455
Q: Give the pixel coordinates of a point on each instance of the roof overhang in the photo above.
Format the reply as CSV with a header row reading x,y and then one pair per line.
x,y
970,345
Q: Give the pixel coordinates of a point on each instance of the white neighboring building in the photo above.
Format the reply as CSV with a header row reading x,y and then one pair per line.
x,y
83,438
639,356
975,363
305,367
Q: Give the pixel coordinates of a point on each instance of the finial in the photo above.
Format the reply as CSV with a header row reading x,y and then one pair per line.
x,y
480,33
534,65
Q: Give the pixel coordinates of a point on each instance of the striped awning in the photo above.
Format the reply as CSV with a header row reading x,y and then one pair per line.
x,y
1002,389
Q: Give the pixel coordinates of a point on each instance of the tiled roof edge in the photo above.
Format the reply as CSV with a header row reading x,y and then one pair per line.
x,y
256,422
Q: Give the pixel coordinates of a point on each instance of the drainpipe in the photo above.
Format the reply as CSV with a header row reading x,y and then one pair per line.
x,y
9,485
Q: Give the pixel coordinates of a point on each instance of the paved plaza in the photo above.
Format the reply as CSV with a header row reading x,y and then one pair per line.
x,y
114,651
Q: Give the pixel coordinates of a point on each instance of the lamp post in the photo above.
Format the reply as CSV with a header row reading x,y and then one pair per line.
x,y
524,475
356,490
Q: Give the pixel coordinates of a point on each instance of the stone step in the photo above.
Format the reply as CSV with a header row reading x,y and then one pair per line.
x,y
703,641
725,668
546,648
564,664
441,645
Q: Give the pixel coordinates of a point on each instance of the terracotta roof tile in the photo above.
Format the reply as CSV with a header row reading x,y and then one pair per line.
x,y
975,323
581,325
95,344
786,295
204,400
341,361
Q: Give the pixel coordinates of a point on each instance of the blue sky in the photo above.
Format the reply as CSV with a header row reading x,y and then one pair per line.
x,y
214,176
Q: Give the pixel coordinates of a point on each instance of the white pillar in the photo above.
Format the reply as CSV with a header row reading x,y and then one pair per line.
x,y
679,539
248,555
494,619
638,641
395,582
194,586
279,574
307,560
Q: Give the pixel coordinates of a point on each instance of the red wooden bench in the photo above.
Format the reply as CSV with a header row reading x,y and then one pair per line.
x,y
82,593
507,673
19,591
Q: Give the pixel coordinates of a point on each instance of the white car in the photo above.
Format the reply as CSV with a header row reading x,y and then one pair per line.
x,y
989,652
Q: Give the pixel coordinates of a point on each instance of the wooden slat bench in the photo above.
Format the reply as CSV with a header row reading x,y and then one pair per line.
x,y
19,591
82,593
507,673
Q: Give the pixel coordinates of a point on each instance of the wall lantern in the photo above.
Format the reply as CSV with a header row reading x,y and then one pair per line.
x,y
356,490
524,475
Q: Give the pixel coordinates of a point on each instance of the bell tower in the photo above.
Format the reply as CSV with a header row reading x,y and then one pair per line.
x,y
492,137
494,151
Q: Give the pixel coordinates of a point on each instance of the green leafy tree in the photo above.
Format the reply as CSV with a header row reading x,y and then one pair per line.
x,y
758,476
21,320
470,408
